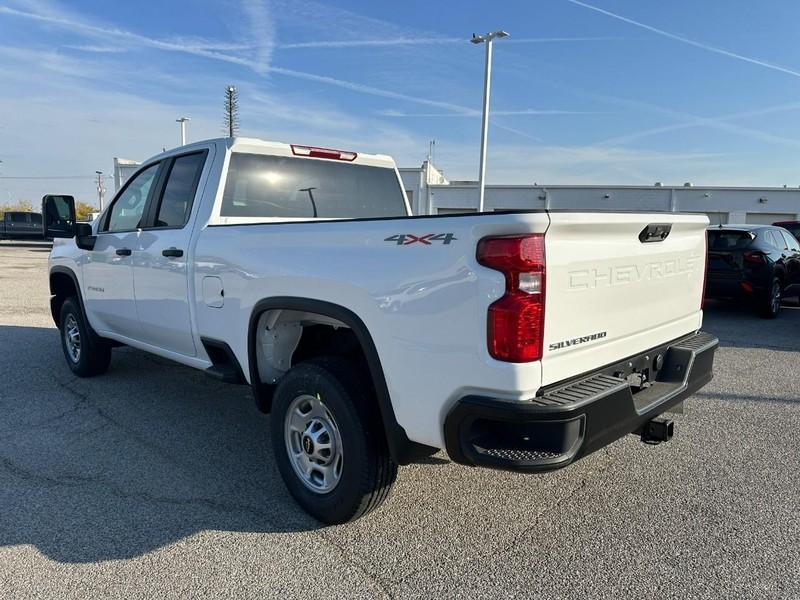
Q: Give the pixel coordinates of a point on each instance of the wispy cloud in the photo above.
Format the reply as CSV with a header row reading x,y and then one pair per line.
x,y
476,113
708,121
695,120
256,65
560,40
411,41
99,49
372,43
690,42
262,32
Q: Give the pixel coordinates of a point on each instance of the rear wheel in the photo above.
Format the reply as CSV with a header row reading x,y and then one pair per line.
x,y
328,440
86,354
771,303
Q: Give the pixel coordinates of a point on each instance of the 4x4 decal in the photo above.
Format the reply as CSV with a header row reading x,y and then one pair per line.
x,y
406,239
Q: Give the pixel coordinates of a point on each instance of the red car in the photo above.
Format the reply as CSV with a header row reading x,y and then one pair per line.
x,y
792,226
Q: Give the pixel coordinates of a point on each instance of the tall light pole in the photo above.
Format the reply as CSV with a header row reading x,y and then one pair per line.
x,y
100,189
487,80
183,121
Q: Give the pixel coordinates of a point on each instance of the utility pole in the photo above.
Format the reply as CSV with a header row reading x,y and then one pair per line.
x,y
183,121
487,78
100,189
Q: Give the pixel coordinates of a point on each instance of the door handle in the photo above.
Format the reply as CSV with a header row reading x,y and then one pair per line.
x,y
172,252
123,251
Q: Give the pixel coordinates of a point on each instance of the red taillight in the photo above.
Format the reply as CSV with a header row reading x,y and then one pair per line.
x,y
315,152
516,321
754,257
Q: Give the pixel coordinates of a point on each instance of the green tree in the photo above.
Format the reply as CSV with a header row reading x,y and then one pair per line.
x,y
83,211
18,206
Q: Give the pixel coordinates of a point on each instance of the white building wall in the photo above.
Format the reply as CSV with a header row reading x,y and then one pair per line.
x,y
725,204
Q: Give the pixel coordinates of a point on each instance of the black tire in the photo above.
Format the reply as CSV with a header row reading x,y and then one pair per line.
x,y
367,470
771,301
94,354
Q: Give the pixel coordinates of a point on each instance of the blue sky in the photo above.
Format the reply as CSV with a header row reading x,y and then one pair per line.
x,y
601,91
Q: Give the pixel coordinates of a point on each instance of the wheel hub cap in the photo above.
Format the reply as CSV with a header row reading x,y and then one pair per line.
x,y
72,338
313,444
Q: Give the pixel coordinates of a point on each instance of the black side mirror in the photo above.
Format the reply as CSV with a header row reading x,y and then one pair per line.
x,y
58,216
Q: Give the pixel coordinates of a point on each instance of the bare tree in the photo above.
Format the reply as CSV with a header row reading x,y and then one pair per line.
x,y
231,120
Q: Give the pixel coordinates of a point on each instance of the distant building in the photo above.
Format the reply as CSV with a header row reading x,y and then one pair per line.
x,y
123,169
431,193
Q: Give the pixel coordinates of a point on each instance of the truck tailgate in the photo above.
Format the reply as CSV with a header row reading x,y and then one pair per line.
x,y
610,295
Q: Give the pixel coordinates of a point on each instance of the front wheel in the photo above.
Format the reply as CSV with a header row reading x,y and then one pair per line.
x,y
771,303
328,441
86,354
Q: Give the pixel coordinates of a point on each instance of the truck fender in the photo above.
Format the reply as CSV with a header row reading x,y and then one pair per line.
x,y
402,449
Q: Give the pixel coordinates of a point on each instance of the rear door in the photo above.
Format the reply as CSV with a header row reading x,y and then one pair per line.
x,y
792,260
17,224
161,261
618,284
108,272
36,225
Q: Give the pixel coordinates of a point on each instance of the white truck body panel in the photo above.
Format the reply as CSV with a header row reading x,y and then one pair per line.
x,y
602,280
425,305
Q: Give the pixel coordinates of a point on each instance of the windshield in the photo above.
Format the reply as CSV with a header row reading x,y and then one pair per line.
x,y
277,186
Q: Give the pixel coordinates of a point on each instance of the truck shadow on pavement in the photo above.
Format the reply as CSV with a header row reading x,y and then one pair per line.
x,y
118,465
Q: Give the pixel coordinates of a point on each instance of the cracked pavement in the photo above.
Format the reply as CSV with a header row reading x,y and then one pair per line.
x,y
154,481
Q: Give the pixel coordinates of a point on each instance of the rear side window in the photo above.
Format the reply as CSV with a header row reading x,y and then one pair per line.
x,y
176,201
791,242
728,240
779,241
19,217
772,239
276,186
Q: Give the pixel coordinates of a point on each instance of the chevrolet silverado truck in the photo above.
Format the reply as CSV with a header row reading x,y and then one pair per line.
x,y
518,340
19,225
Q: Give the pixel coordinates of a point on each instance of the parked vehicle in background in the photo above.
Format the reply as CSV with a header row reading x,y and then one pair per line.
x,y
792,227
756,263
18,225
522,341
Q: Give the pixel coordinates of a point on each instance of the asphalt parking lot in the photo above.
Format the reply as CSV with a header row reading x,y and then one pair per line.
x,y
153,481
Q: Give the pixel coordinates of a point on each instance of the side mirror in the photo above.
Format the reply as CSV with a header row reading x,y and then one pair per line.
x,y
58,216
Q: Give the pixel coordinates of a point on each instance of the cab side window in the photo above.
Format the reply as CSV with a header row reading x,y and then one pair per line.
x,y
176,201
128,209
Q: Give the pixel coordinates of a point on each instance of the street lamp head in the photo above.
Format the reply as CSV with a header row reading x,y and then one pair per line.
x,y
479,39
182,120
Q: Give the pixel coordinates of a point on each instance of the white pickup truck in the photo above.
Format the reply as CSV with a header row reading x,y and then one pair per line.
x,y
516,340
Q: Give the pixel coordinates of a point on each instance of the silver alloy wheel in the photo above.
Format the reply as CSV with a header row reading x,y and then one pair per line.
x,y
776,297
72,338
313,443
